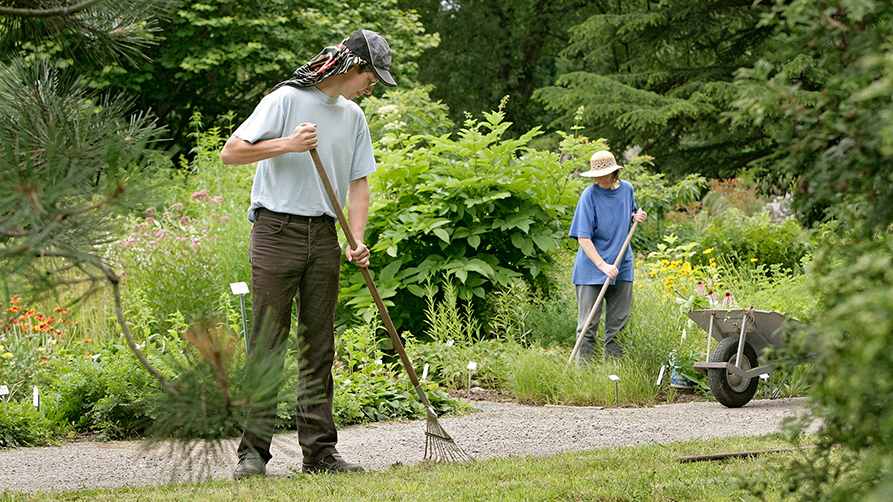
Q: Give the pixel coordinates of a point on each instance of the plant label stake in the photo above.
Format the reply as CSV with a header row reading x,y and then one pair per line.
x,y
4,391
471,367
36,398
241,289
439,446
616,388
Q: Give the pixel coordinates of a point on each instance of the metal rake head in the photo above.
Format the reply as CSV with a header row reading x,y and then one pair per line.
x,y
439,446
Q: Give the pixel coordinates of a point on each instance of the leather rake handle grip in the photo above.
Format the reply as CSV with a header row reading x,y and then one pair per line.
x,y
352,242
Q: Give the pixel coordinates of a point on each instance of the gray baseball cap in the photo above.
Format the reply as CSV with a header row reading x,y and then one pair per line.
x,y
374,49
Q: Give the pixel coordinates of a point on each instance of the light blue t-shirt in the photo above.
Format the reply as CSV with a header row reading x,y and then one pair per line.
x,y
289,183
605,217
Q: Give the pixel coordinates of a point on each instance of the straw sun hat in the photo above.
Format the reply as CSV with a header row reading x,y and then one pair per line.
x,y
601,164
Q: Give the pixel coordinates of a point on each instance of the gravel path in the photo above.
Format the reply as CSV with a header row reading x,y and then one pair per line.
x,y
498,430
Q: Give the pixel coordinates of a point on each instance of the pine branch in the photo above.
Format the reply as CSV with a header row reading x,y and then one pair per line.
x,y
45,13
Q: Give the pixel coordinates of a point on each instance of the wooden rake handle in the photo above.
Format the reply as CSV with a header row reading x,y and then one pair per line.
x,y
392,331
601,294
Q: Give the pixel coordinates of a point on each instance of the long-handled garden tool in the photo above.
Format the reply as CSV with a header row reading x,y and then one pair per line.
x,y
439,446
601,294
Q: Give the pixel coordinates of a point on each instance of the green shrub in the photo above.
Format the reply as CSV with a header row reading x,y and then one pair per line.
x,y
480,211
113,395
370,388
743,239
852,392
21,424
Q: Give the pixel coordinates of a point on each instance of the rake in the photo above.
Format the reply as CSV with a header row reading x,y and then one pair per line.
x,y
439,446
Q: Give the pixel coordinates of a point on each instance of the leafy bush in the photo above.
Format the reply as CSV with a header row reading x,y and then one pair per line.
x,y
368,388
21,424
184,256
405,113
480,211
755,239
852,378
113,395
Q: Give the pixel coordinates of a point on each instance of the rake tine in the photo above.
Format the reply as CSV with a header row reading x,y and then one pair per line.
x,y
439,446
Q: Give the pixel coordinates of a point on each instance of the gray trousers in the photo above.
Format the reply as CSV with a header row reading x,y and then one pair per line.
x,y
295,260
616,304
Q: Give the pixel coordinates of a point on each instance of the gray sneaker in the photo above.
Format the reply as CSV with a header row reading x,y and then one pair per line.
x,y
332,463
250,465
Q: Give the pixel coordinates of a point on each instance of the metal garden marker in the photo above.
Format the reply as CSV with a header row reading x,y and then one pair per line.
x,y
241,289
616,388
471,367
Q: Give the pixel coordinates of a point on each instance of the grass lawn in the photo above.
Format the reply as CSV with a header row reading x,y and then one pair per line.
x,y
642,474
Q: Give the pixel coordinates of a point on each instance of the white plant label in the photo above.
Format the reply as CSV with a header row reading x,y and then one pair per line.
x,y
4,390
614,377
36,397
239,288
425,371
472,366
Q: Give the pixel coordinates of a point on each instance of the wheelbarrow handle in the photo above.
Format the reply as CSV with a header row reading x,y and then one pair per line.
x,y
601,294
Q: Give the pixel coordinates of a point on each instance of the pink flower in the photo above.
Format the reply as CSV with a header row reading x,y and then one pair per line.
x,y
150,210
184,219
700,288
729,300
177,207
200,193
165,215
150,219
218,198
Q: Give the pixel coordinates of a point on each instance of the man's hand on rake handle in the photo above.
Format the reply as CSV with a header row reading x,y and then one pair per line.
x,y
359,255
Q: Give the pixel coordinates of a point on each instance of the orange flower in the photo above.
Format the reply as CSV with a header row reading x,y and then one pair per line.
x,y
15,299
86,340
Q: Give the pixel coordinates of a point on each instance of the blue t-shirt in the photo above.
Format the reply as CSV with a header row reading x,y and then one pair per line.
x,y
605,217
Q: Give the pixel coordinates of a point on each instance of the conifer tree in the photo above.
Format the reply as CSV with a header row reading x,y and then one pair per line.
x,y
659,75
72,160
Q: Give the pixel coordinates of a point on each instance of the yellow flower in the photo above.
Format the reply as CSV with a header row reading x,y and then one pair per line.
x,y
708,250
7,355
753,260
40,349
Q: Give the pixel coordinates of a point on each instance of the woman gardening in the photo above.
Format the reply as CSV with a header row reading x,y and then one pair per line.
x,y
601,223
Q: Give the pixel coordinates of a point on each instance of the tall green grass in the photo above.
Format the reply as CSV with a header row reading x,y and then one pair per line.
x,y
539,377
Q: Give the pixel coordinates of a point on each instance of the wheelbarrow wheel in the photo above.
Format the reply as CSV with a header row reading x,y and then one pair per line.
x,y
729,389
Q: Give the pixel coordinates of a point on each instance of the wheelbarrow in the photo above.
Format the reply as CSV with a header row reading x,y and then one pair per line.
x,y
733,370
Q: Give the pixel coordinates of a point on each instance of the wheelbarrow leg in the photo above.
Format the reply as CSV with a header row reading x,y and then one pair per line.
x,y
710,334
741,339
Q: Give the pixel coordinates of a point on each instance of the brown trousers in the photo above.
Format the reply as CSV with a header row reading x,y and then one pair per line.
x,y
295,262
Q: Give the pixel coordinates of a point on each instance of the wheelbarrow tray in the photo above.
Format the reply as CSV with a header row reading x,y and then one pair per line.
x,y
763,328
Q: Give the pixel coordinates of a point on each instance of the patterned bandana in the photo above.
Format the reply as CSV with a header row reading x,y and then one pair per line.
x,y
333,60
